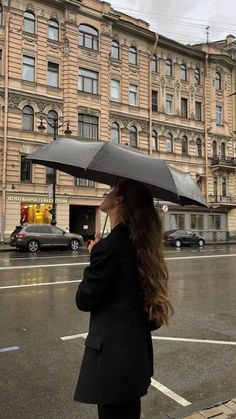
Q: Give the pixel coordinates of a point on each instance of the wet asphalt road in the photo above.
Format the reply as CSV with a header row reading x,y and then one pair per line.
x,y
37,294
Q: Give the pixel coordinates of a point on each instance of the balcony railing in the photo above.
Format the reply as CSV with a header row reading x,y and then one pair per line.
x,y
228,199
223,161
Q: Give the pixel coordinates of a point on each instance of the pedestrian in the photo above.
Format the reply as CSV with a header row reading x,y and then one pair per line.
x,y
125,289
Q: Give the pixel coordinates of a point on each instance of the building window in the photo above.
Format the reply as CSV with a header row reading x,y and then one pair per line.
x,y
53,74
219,115
154,141
199,147
84,182
169,143
198,111
214,222
1,15
223,150
154,63
133,94
184,146
177,221
88,37
197,221
133,55
133,137
53,30
88,127
1,72
28,68
183,72
169,104
88,81
25,170
234,151
29,22
218,81
115,90
215,187
184,108
168,68
214,149
154,101
28,118
224,187
49,175
53,120
197,75
115,133
115,50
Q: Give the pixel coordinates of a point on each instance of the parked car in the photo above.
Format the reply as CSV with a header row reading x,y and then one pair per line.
x,y
34,236
180,238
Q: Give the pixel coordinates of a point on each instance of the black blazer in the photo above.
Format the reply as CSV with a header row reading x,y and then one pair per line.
x,y
118,357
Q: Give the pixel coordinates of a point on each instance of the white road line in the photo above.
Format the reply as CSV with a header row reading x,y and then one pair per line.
x,y
44,257
215,342
11,348
7,287
8,268
170,393
202,257
81,335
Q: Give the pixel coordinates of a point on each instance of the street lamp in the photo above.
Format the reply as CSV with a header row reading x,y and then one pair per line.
x,y
53,123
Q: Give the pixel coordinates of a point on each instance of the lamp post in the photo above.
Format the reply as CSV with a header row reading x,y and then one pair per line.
x,y
54,124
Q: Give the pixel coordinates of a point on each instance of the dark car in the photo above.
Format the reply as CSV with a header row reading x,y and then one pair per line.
x,y
34,236
180,238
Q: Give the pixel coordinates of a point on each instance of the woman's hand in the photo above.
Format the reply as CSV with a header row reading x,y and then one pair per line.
x,y
91,243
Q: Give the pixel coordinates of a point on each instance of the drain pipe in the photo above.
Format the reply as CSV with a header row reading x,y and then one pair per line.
x,y
150,97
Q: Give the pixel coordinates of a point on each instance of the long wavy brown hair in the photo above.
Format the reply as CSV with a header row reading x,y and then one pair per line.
x,y
145,228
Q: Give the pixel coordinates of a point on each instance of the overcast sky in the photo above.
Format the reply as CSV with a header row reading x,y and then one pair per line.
x,y
184,20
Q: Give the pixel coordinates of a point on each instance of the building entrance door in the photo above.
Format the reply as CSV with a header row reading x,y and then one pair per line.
x,y
82,221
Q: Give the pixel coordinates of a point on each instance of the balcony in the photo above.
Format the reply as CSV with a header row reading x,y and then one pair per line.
x,y
222,162
220,201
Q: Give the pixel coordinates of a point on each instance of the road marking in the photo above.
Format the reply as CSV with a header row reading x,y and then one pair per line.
x,y
44,257
6,287
170,393
5,268
216,342
81,335
202,257
11,348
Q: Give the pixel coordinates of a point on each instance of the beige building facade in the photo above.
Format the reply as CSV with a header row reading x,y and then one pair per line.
x,y
112,79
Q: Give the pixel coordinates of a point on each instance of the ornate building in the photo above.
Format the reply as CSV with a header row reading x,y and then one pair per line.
x,y
113,79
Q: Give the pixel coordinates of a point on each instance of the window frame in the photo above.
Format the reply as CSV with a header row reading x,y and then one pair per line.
x,y
169,143
49,175
168,68
133,94
92,126
1,15
184,146
115,47
197,76
198,147
30,67
154,63
88,35
133,56
27,171
115,128
51,72
133,136
154,101
27,19
154,140
51,119
25,121
218,80
218,114
184,107
183,72
85,79
84,183
117,89
169,102
198,111
53,27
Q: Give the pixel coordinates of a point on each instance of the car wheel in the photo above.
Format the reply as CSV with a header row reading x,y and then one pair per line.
x,y
178,243
201,242
74,244
33,246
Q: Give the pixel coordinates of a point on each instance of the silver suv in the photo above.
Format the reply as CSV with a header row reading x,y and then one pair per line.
x,y
34,236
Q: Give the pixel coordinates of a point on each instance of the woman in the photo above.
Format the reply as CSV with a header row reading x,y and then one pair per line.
x,y
125,289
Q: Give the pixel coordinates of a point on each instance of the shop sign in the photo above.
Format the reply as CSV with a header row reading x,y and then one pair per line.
x,y
35,199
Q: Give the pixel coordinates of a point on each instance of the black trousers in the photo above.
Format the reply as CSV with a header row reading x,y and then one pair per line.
x,y
126,410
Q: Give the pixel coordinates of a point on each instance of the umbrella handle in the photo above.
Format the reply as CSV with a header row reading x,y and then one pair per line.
x,y
104,225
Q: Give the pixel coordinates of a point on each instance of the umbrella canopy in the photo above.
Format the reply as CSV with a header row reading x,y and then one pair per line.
x,y
105,162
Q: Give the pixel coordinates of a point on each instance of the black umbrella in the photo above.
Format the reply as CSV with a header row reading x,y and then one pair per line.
x,y
105,162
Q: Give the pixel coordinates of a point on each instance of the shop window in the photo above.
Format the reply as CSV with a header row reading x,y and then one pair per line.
x,y
88,37
35,214
214,222
115,50
88,127
53,30
133,137
28,118
29,22
133,56
26,169
197,221
115,133
177,221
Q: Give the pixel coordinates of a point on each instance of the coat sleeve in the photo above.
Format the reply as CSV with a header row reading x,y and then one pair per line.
x,y
97,277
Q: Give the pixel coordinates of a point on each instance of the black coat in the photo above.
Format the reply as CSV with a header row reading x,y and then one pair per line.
x,y
118,358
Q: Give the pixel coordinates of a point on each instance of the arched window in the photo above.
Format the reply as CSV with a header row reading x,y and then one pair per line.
x,y
29,22
115,133
154,141
133,137
53,30
218,81
223,150
183,72
52,121
88,37
214,149
28,118
184,146
169,143
199,147
154,63
197,75
168,67
1,15
115,50
133,55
